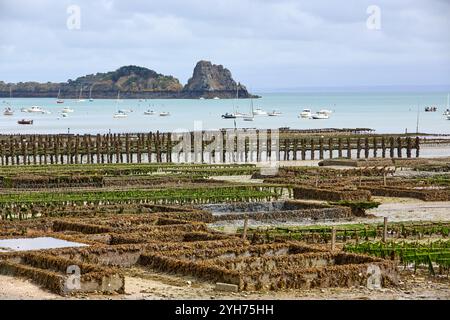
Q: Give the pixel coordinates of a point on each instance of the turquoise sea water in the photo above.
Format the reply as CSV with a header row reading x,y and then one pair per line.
x,y
384,112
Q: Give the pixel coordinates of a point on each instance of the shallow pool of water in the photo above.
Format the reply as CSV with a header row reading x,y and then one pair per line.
x,y
24,244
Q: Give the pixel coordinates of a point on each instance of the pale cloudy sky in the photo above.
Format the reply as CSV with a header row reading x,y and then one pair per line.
x,y
265,43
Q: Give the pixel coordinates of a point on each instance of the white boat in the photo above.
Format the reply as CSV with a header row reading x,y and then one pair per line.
x,y
120,114
201,98
274,113
35,109
58,99
80,99
67,110
251,116
216,98
8,111
448,117
325,111
306,113
90,94
149,112
259,112
320,115
164,114
126,110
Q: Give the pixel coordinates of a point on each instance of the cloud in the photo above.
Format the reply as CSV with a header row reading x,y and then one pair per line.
x,y
265,43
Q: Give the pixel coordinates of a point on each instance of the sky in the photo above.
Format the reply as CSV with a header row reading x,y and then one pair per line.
x,y
266,44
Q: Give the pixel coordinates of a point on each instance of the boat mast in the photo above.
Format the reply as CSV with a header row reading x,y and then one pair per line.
x,y
90,93
10,92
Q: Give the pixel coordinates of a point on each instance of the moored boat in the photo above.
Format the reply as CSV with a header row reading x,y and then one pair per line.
x,y
306,113
120,114
259,112
149,112
274,113
320,115
8,111
164,114
24,121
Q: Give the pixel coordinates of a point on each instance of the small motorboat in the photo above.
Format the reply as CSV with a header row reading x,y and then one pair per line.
x,y
8,112
201,98
274,113
259,112
325,111
229,116
448,117
67,110
216,98
306,113
35,109
64,115
24,121
430,109
164,114
320,115
248,118
120,114
149,112
126,110
446,112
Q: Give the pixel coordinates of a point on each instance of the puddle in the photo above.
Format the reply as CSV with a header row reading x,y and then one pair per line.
x,y
24,244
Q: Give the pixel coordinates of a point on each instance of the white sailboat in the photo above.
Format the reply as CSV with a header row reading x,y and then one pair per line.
x,y
252,113
58,99
81,94
67,110
120,113
8,111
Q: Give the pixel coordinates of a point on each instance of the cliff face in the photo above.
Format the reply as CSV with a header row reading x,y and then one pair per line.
x,y
208,81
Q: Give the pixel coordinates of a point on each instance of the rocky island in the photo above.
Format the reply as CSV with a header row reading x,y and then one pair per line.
x,y
208,81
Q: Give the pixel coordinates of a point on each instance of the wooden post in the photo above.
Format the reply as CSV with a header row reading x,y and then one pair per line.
x,y
349,148
331,146
383,147
417,147
375,147
392,146
408,147
333,238
358,148
320,142
385,229
399,147
340,147
312,149
366,148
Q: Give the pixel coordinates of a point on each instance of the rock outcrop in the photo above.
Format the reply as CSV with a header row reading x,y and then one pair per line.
x,y
208,81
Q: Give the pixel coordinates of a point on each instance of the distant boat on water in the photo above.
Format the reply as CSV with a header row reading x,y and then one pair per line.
x,y
67,110
216,98
274,113
306,113
120,113
320,115
8,111
58,99
149,112
164,114
80,98
259,112
24,121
